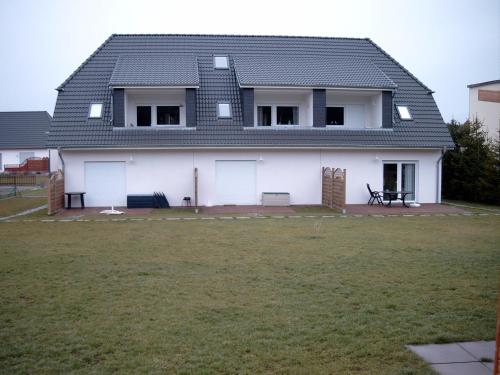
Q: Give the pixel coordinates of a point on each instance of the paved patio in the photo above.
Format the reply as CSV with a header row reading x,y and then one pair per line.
x,y
463,358
351,209
262,210
426,208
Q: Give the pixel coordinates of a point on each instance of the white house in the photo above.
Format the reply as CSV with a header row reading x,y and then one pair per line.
x,y
484,105
23,135
251,114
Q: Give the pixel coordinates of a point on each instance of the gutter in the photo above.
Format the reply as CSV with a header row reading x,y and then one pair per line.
x,y
438,175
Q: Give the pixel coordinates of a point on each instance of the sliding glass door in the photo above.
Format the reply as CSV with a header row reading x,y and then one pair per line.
x,y
400,176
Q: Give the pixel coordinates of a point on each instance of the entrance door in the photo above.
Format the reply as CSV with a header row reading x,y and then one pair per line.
x,y
400,176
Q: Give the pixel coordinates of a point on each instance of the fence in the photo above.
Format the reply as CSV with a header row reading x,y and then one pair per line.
x,y
333,187
56,192
16,179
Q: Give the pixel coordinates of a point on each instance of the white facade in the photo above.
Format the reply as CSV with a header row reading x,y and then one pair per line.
x,y
487,111
297,172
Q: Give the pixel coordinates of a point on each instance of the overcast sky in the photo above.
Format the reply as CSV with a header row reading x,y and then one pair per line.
x,y
447,44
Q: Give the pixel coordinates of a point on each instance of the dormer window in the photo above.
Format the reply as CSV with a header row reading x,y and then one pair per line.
x,y
223,110
335,115
221,62
95,110
404,112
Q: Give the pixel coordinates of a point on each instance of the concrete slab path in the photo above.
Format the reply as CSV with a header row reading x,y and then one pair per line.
x,y
463,358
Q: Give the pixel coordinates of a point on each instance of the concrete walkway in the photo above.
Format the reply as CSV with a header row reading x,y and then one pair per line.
x,y
462,358
23,213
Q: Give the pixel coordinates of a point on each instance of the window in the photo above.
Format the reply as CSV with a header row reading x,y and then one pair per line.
x,y
404,112
95,110
221,62
167,115
264,115
287,115
143,116
223,110
335,116
400,176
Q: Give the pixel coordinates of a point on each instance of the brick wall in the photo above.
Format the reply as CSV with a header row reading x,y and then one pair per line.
x,y
56,192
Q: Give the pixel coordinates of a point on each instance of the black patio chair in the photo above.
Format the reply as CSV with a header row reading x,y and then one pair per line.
x,y
374,196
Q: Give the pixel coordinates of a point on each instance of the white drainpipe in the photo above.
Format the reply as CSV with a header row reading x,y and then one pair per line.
x,y
438,176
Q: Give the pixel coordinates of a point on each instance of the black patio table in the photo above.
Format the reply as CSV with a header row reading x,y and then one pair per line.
x,y
80,193
397,195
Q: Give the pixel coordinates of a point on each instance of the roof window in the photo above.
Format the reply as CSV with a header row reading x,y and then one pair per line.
x,y
404,112
221,62
223,110
95,110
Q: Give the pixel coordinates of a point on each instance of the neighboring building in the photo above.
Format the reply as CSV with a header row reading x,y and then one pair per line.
x,y
23,135
253,114
484,105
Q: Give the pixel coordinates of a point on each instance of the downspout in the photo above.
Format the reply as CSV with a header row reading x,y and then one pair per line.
x,y
61,157
438,175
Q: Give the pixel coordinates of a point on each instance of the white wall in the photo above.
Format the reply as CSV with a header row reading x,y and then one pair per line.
x,y
362,109
12,156
296,172
486,112
153,97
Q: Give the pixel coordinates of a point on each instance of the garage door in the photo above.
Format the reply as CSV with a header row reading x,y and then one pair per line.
x,y
105,184
235,182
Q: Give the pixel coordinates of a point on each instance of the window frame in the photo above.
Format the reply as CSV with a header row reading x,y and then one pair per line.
x,y
399,177
168,106
398,106
219,67
274,115
271,116
288,106
219,115
100,112
343,114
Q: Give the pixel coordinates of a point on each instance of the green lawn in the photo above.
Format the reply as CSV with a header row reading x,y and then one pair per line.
x,y
272,296
14,205
473,206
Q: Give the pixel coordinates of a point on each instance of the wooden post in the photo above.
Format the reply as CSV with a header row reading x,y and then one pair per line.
x,y
196,187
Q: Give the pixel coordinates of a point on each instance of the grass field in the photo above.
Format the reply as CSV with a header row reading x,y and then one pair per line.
x,y
272,296
14,205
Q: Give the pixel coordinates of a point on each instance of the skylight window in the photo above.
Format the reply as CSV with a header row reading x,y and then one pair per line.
x,y
95,110
404,112
221,62
223,110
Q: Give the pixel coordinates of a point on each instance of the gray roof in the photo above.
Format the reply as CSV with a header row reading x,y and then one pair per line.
x,y
26,130
307,71
157,70
479,84
71,126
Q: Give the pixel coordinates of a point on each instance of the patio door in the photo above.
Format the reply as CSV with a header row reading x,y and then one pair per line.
x,y
400,176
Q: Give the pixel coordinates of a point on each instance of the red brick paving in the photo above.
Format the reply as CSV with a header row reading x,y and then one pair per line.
x,y
96,210
263,210
426,208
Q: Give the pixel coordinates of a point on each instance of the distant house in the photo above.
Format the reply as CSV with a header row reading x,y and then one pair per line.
x,y
23,135
252,114
484,105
